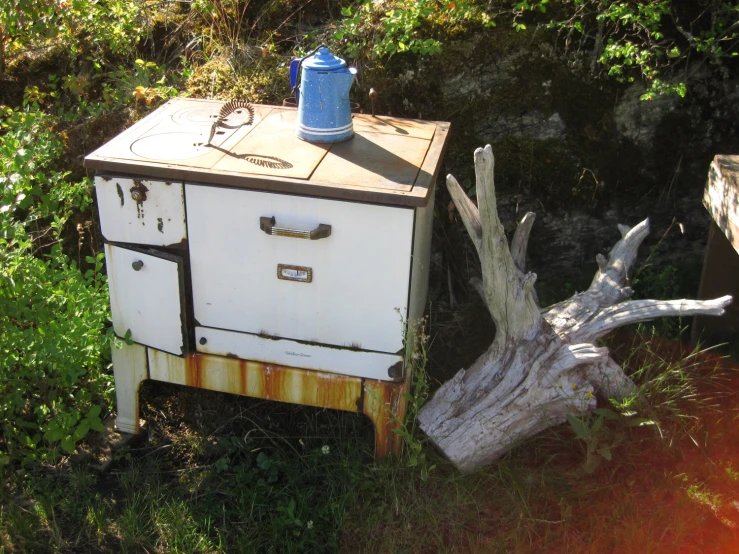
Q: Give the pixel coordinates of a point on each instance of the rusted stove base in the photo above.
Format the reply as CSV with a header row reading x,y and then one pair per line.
x,y
382,401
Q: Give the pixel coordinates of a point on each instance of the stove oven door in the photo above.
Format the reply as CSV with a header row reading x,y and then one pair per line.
x,y
146,297
308,269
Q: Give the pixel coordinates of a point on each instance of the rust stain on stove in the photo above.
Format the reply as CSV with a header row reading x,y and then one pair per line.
x,y
384,405
269,384
242,377
120,193
274,382
194,371
138,194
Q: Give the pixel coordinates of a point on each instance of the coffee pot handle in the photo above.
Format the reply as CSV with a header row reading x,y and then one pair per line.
x,y
294,68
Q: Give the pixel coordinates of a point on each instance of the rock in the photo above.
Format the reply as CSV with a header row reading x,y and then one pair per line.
x,y
586,153
638,119
478,81
563,243
533,124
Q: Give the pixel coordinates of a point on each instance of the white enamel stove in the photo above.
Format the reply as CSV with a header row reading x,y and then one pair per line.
x,y
260,257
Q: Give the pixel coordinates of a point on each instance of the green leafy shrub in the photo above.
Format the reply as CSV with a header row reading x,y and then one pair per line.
x,y
223,22
671,389
52,315
380,30
659,41
145,83
102,26
651,40
23,21
599,439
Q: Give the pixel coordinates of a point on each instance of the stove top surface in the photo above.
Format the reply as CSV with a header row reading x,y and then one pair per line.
x,y
389,160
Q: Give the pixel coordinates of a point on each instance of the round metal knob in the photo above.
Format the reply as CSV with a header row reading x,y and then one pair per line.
x,y
137,195
137,265
203,340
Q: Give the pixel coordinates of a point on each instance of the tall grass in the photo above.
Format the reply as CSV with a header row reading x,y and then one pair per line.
x,y
673,381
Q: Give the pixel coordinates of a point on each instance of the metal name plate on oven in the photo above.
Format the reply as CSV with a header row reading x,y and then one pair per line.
x,y
294,273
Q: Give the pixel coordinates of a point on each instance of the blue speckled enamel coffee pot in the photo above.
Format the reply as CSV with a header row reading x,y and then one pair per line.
x,y
324,114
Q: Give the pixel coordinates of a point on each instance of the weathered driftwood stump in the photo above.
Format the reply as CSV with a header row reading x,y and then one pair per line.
x,y
541,365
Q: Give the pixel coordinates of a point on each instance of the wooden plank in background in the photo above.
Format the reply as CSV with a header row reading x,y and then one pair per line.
x,y
721,196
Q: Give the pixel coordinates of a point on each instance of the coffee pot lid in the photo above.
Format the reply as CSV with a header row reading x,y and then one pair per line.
x,y
323,60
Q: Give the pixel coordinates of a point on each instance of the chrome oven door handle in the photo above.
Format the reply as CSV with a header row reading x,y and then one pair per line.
x,y
269,226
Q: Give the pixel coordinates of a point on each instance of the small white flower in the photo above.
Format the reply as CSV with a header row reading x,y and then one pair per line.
x,y
325,449
309,525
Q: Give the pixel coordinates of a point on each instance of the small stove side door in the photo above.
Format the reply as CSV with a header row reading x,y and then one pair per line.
x,y
146,297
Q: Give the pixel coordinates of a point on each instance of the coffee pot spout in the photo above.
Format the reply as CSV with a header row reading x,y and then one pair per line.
x,y
345,79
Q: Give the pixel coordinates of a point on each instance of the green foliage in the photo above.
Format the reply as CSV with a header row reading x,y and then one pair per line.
x,y
416,359
102,26
666,395
598,437
524,6
645,39
657,283
22,20
636,41
629,38
246,492
105,26
288,497
53,307
145,83
223,22
378,30
668,389
71,98
52,315
662,282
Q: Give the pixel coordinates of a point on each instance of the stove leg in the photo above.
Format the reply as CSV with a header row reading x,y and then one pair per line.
x,y
385,404
130,369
